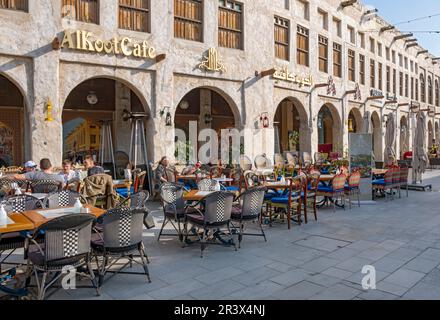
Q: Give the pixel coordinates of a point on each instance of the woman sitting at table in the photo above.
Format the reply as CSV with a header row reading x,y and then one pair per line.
x,y
161,173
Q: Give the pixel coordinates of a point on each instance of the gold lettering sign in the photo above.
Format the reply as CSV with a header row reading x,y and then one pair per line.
x,y
285,75
212,62
85,41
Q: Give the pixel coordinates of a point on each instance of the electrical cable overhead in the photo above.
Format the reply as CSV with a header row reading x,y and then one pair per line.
x,y
417,19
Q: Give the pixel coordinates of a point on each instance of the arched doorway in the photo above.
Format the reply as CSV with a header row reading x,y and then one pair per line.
x,y
437,132
291,129
12,124
355,122
377,136
430,134
404,136
205,108
329,130
87,107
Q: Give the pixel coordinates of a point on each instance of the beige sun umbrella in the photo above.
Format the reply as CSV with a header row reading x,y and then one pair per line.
x,y
367,125
390,139
420,157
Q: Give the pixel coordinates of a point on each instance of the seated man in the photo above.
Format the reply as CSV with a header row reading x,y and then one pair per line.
x,y
68,174
30,166
92,169
46,173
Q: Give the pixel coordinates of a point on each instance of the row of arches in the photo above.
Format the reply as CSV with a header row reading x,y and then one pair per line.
x,y
104,99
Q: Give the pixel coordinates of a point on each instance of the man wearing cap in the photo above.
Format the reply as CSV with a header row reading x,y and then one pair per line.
x,y
30,166
46,173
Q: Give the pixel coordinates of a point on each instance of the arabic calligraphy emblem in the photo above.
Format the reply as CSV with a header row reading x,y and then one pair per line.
x,y
212,62
331,88
357,94
285,75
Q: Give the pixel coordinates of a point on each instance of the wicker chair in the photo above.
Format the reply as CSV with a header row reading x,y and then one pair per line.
x,y
66,244
21,203
248,209
8,183
45,186
216,214
337,188
245,163
352,187
174,208
121,238
208,185
63,198
139,201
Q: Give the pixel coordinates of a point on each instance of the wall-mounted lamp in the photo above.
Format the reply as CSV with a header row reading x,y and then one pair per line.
x,y
168,121
264,119
208,118
49,108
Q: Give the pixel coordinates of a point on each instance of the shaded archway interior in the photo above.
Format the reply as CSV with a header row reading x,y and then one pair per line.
x,y
206,109
87,106
290,123
355,121
12,124
329,130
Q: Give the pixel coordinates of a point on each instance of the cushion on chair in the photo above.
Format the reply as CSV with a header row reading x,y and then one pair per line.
x,y
124,192
380,182
325,189
283,199
232,188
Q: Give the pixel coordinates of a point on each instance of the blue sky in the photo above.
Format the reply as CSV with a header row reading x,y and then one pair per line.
x,y
395,11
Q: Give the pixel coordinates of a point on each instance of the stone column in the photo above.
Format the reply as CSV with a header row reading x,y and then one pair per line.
x,y
46,136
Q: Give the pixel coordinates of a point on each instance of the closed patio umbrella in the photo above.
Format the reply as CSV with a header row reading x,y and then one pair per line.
x,y
367,125
390,139
420,156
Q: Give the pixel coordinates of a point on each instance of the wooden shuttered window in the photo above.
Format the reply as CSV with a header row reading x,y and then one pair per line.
x,y
372,73
20,5
401,84
230,24
362,69
337,60
81,10
188,19
394,81
379,75
323,54
282,32
351,65
422,88
388,79
134,15
406,85
302,46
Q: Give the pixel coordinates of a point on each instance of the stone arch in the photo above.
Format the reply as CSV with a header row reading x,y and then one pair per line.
x,y
226,96
356,120
329,130
291,115
117,94
377,136
437,132
14,122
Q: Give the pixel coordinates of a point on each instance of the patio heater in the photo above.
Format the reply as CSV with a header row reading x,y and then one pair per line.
x,y
106,152
138,155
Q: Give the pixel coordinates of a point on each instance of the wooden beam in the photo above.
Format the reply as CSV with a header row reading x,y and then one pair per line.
x,y
265,73
410,40
320,85
160,57
403,104
375,98
412,45
350,92
422,52
403,36
348,3
383,29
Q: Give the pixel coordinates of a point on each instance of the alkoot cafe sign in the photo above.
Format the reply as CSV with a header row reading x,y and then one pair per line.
x,y
85,41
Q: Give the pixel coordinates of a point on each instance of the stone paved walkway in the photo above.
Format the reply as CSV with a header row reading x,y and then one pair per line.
x,y
320,260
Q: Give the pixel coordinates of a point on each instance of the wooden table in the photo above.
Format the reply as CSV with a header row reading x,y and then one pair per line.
x,y
379,171
326,177
37,219
21,223
187,177
193,195
276,185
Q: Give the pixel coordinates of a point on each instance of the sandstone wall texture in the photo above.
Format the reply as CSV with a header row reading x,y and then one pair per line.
x,y
42,74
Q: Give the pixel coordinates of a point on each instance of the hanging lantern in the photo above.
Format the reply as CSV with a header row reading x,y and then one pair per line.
x,y
264,119
350,125
49,111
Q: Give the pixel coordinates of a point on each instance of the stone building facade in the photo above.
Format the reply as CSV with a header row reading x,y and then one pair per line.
x,y
46,67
